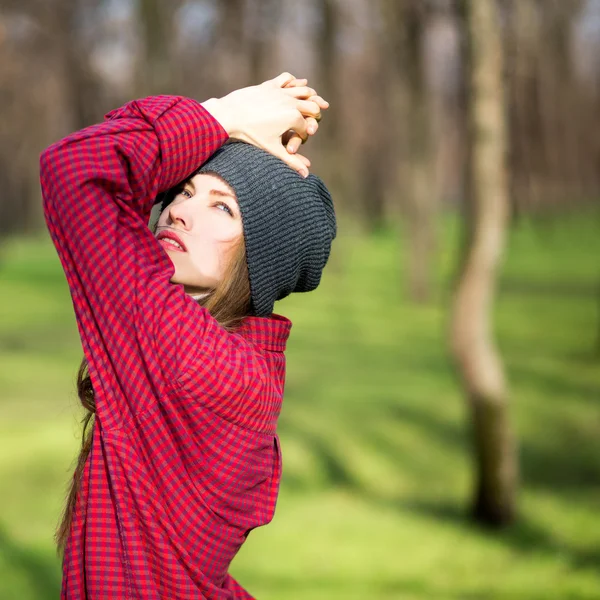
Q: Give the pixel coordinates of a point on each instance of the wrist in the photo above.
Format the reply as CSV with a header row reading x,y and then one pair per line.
x,y
215,107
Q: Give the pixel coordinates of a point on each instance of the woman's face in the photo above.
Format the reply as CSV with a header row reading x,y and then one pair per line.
x,y
205,219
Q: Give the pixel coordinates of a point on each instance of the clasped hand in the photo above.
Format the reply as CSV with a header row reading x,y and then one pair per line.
x,y
277,115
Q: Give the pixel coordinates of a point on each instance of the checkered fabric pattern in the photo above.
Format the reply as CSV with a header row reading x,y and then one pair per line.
x,y
185,459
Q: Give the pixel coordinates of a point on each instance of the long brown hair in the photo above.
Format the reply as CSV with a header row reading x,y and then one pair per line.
x,y
228,303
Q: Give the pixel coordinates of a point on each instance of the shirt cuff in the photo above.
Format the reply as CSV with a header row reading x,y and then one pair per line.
x,y
188,135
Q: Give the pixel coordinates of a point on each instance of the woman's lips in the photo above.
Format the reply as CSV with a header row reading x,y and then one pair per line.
x,y
169,246
163,236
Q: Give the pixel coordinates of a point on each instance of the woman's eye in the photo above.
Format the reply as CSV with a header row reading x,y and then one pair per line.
x,y
225,207
184,192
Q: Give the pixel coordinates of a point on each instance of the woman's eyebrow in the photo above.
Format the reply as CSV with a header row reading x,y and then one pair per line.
x,y
221,193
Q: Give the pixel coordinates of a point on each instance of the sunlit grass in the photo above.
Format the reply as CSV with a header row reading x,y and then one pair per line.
x,y
374,429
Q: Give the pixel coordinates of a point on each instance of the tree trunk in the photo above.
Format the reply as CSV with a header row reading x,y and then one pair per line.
x,y
598,326
331,149
81,87
156,70
262,27
405,28
473,347
421,197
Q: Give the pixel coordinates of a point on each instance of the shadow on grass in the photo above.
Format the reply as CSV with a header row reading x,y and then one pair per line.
x,y
335,470
336,588
524,535
361,427
41,573
560,462
554,385
562,457
572,463
557,288
52,339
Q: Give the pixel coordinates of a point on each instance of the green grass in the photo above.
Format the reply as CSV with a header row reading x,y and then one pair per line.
x,y
374,429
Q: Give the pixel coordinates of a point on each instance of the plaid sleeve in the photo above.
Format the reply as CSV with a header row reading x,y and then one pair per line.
x,y
98,187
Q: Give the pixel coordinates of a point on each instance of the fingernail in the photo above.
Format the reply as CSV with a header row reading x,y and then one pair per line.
x,y
304,173
311,129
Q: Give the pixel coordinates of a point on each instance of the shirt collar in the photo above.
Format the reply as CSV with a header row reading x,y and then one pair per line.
x,y
270,332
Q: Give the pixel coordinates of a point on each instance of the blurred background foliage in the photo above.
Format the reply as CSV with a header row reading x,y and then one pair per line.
x,y
462,147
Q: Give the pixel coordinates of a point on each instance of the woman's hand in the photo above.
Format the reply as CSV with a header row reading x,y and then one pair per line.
x,y
262,114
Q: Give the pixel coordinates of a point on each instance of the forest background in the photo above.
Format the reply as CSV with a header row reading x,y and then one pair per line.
x,y
440,430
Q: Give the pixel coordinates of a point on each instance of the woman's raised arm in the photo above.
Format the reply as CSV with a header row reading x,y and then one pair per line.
x,y
98,186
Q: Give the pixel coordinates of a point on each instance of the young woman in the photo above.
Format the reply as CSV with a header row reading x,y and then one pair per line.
x,y
184,369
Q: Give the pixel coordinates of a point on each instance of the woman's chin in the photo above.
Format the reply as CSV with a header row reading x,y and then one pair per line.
x,y
190,286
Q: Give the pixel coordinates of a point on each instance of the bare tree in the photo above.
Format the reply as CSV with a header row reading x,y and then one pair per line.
x,y
157,69
472,343
263,19
49,88
405,26
331,149
598,326
551,107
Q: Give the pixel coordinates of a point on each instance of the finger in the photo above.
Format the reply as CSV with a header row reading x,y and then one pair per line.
x,y
320,101
283,79
300,92
299,126
293,160
293,143
309,108
304,160
287,136
297,83
312,124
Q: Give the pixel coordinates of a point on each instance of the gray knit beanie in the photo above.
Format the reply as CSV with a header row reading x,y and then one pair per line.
x,y
289,222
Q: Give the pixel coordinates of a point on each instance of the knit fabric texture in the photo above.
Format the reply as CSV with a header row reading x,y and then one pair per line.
x,y
289,221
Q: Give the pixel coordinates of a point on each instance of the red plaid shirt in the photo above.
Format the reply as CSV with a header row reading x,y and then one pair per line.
x,y
185,458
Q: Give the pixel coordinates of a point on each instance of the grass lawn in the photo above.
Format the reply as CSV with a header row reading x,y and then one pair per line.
x,y
374,428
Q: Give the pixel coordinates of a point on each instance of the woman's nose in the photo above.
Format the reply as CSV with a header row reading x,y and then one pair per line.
x,y
179,212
